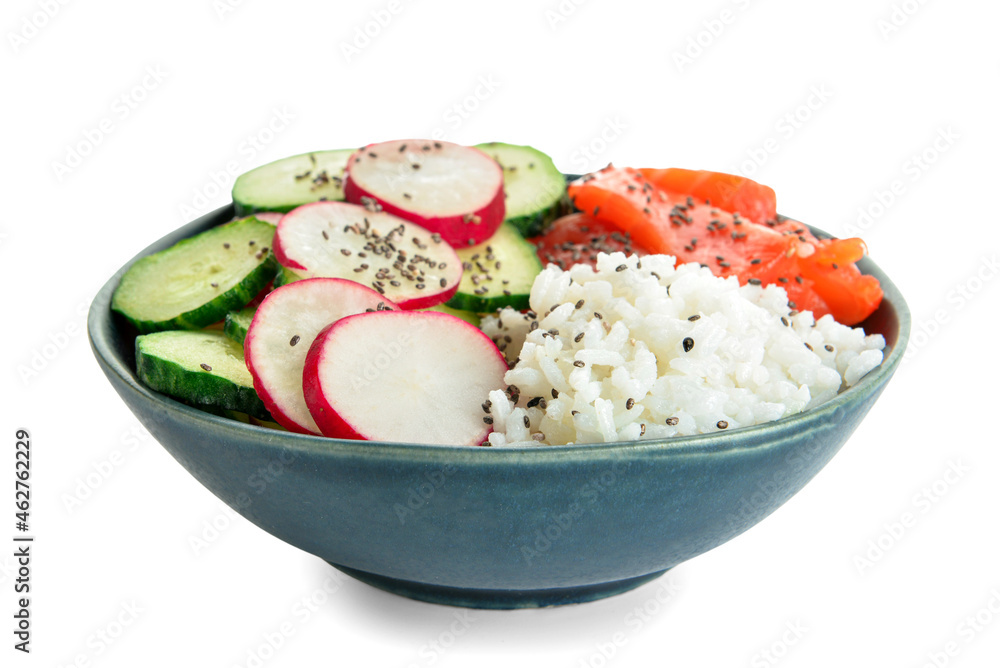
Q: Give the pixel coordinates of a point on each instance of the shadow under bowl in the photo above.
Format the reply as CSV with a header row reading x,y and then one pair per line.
x,y
491,527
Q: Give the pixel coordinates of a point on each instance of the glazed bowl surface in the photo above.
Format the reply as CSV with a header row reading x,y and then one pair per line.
x,y
496,527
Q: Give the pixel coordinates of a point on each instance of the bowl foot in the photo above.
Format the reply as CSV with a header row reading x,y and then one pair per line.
x,y
498,599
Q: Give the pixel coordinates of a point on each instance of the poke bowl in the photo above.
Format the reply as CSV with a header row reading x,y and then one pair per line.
x,y
497,527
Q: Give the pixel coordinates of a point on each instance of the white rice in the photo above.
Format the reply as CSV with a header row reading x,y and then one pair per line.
x,y
751,361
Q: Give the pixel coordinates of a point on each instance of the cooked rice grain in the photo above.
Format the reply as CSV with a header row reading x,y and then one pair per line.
x,y
631,362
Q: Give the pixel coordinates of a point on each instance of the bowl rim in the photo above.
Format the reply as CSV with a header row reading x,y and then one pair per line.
x,y
741,439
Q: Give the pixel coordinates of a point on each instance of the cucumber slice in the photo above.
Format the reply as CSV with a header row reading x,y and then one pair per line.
x,y
497,273
285,184
238,322
468,316
266,423
535,189
205,369
195,282
285,276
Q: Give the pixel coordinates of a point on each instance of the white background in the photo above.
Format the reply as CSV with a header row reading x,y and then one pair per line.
x,y
828,103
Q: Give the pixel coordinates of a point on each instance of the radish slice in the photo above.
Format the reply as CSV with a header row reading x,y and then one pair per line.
x,y
281,332
406,263
456,191
402,376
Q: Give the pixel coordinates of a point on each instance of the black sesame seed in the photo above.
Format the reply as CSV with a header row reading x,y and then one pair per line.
x,y
629,403
579,305
487,419
694,317
688,344
527,422
621,267
206,367
672,421
578,364
808,346
295,339
555,393
721,424
828,348
578,337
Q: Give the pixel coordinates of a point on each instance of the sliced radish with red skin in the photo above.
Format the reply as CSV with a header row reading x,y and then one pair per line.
x,y
283,328
456,191
403,377
409,265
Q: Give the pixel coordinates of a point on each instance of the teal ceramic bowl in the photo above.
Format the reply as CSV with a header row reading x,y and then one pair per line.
x,y
497,528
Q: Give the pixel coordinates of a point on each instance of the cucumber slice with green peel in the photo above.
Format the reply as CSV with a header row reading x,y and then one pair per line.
x,y
238,322
238,416
285,184
195,282
468,316
203,368
497,273
266,423
285,276
535,189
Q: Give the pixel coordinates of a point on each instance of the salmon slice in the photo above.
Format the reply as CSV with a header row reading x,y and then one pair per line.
x,y
818,275
729,192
